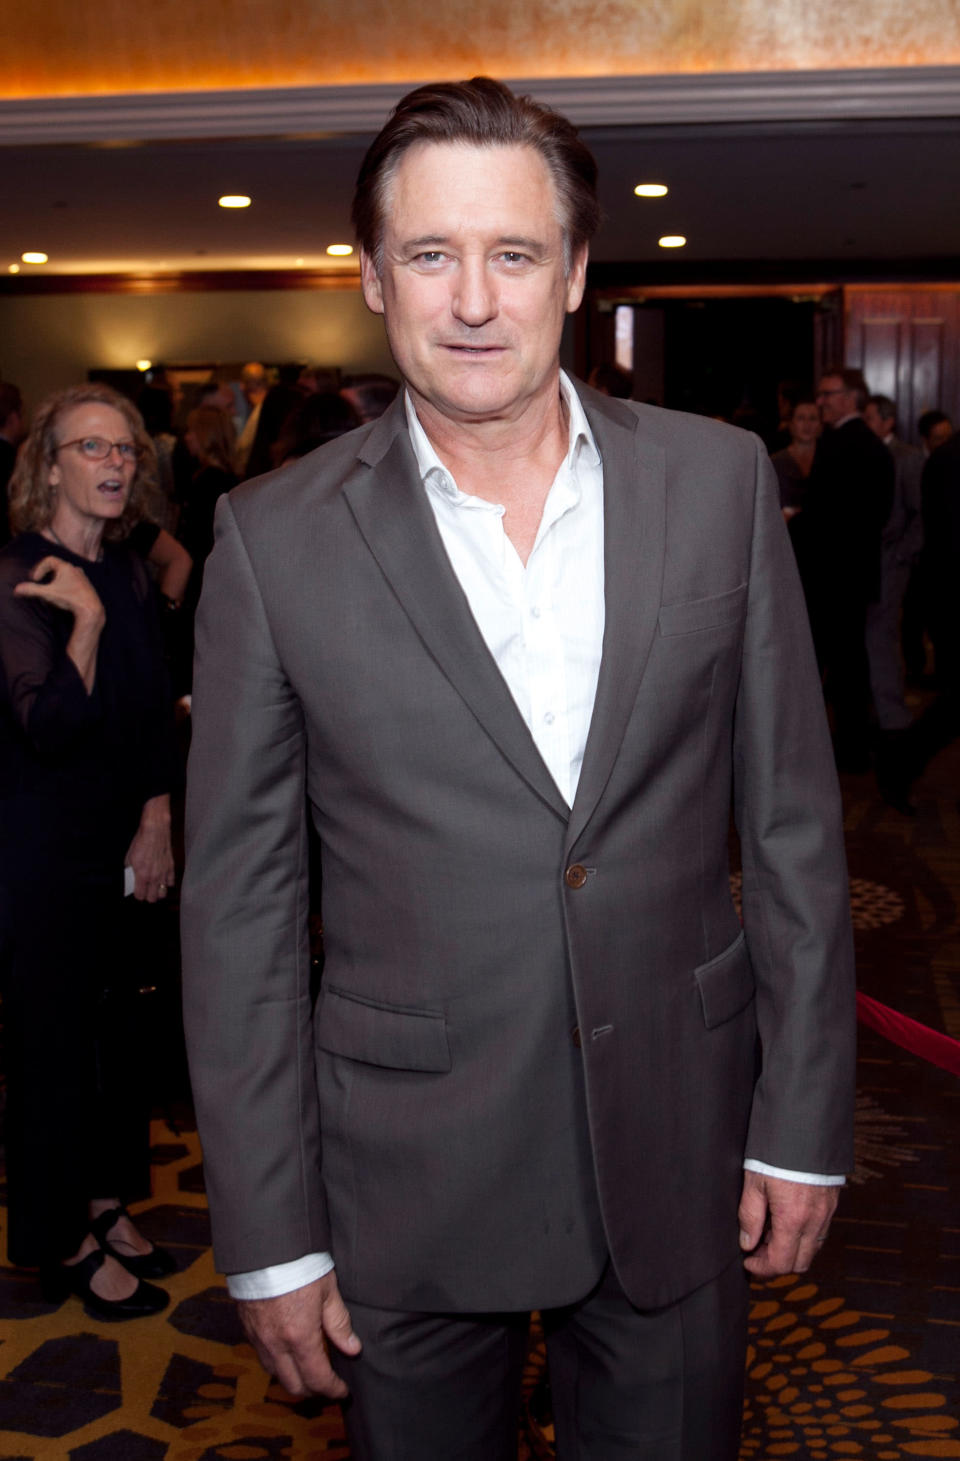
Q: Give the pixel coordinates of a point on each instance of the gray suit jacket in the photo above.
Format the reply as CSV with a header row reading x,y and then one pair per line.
x,y
542,1034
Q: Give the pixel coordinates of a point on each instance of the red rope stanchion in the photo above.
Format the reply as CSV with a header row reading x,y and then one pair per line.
x,y
919,1039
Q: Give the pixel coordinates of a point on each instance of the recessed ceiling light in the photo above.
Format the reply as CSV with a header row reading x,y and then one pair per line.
x,y
651,190
144,364
299,263
33,257
234,200
14,268
339,251
672,241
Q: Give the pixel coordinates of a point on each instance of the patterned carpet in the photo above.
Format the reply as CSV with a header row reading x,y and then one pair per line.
x,y
860,1358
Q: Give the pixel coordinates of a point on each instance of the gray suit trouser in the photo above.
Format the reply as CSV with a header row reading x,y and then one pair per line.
x,y
660,1385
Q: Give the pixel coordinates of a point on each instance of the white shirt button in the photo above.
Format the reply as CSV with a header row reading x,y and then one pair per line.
x,y
549,718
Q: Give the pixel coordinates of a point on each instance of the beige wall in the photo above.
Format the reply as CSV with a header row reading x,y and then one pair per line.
x,y
49,341
62,48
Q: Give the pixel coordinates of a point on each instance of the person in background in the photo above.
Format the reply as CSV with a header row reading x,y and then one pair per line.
x,y
255,384
848,502
155,405
939,724
320,418
793,466
11,432
277,406
794,463
211,443
369,395
934,428
611,380
789,395
86,766
900,548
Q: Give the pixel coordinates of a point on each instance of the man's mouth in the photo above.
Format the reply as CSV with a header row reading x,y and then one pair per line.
x,y
476,350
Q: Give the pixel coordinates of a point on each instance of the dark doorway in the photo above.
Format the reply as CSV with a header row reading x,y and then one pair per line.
x,y
724,357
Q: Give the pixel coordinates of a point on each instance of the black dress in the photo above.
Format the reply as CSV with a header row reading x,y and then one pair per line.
x,y
75,772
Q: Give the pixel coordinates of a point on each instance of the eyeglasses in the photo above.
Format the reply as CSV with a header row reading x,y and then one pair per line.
x,y
97,448
836,391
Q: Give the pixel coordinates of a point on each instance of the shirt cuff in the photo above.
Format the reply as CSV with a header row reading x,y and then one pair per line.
x,y
279,1278
812,1179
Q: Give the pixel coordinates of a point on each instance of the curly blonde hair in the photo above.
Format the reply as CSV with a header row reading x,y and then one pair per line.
x,y
33,500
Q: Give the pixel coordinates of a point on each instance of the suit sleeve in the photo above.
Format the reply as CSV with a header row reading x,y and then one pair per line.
x,y
247,1003
796,908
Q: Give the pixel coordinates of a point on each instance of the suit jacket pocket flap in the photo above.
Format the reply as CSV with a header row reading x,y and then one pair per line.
x,y
382,1034
698,614
726,983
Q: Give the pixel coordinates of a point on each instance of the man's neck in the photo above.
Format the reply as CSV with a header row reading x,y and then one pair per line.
x,y
501,459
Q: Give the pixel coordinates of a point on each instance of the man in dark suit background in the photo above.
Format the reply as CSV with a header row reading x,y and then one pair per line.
x,y
519,647
849,498
940,722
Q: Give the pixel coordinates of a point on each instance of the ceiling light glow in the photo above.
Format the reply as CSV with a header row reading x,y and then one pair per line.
x,y
234,200
672,241
651,190
143,364
339,251
33,257
13,268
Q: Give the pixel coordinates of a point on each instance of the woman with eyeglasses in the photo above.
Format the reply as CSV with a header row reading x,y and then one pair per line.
x,y
85,773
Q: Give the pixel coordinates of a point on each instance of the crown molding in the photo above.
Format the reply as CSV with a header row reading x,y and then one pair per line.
x,y
772,96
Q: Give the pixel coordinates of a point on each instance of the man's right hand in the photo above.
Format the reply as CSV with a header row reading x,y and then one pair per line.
x,y
290,1335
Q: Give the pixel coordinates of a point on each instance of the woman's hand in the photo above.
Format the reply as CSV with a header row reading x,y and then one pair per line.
x,y
150,854
69,588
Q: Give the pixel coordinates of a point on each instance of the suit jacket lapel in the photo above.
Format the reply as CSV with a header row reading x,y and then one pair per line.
x,y
634,512
389,505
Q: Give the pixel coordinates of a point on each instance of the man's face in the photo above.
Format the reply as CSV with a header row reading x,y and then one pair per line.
x,y
835,400
880,425
473,289
939,434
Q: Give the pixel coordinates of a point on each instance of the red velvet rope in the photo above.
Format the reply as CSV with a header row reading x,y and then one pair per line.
x,y
919,1039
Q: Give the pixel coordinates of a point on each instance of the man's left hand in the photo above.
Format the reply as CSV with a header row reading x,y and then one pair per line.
x,y
783,1223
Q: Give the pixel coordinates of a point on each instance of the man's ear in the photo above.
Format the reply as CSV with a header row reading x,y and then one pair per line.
x,y
370,283
577,279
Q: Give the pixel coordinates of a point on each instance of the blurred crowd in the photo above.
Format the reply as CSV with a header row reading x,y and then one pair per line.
x,y
208,436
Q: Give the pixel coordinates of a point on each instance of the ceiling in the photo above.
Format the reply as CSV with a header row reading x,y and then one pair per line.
x,y
778,192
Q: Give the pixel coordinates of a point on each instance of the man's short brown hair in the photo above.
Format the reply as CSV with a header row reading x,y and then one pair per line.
x,y
482,113
853,380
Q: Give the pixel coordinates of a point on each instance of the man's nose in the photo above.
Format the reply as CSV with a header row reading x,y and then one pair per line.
x,y
474,299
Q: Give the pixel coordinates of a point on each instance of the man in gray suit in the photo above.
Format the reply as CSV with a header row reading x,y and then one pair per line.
x,y
519,648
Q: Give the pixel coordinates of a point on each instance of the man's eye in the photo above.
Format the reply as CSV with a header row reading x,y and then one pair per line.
x,y
430,256
510,256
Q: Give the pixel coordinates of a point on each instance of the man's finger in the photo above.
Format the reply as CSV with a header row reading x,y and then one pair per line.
x,y
301,1368
337,1325
752,1214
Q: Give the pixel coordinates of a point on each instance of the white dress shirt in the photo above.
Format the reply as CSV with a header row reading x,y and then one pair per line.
x,y
543,625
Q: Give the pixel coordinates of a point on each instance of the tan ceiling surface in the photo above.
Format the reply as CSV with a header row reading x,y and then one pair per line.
x,y
76,47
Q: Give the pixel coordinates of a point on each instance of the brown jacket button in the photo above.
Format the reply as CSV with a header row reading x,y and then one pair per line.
x,y
575,1036
575,876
